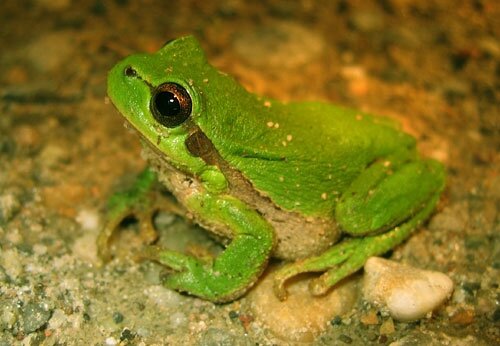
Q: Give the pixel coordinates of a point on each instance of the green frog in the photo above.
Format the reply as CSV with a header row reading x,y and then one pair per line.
x,y
320,186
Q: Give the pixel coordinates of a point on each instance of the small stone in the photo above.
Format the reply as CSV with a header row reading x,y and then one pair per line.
x,y
387,328
370,318
346,339
118,317
111,341
407,293
85,247
86,317
302,316
471,287
127,334
233,315
35,316
164,219
8,316
382,339
88,219
164,298
463,317
337,320
178,319
245,320
12,263
58,319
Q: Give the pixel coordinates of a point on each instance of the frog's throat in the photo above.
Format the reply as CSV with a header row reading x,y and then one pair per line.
x,y
292,228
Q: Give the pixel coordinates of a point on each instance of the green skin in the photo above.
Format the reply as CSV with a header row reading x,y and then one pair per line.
x,y
320,162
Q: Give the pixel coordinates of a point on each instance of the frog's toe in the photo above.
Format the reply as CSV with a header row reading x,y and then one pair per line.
x,y
106,233
330,259
142,209
147,232
184,271
318,287
173,260
187,282
322,284
287,272
279,282
194,277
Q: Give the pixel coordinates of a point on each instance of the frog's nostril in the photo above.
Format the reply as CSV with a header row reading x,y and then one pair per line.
x,y
130,72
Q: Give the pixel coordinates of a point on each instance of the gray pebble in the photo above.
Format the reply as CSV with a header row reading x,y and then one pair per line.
x,y
35,316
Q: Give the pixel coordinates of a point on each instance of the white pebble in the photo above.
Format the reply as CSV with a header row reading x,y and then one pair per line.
x,y
88,219
163,297
407,293
178,319
111,341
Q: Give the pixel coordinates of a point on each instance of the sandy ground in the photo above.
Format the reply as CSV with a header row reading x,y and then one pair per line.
x,y
63,151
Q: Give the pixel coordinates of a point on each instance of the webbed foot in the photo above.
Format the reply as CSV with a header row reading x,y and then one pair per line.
x,y
141,201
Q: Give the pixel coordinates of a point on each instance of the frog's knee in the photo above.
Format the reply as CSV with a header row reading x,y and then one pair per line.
x,y
394,199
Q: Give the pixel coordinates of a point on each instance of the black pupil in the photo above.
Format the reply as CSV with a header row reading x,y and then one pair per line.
x,y
167,104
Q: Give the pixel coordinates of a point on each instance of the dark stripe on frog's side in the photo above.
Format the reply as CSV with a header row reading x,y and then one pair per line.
x,y
200,146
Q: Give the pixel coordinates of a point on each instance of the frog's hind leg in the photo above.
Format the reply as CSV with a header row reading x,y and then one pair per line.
x,y
347,257
141,201
233,271
350,255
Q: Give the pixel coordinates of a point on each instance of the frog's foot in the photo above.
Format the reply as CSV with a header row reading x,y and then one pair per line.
x,y
335,256
348,256
232,272
220,279
141,202
147,232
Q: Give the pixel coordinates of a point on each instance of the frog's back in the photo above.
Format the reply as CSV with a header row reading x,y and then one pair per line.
x,y
302,154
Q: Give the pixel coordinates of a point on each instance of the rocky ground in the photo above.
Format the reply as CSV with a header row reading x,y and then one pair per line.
x,y
434,66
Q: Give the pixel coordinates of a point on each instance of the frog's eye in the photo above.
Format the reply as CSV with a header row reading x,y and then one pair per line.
x,y
170,104
166,43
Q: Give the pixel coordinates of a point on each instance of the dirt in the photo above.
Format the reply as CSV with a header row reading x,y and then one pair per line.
x,y
434,66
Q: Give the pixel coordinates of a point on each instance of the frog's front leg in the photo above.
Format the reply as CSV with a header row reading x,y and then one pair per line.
x,y
379,211
235,270
140,200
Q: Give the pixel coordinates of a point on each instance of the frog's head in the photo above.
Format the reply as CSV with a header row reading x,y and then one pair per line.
x,y
160,95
